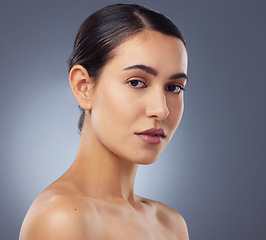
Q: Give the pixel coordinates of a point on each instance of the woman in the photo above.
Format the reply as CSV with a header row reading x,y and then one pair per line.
x,y
128,72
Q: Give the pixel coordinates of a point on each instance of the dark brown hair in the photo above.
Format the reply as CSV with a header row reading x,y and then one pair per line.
x,y
103,31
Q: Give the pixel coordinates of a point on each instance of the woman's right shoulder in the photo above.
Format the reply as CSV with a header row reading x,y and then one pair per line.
x,y
57,213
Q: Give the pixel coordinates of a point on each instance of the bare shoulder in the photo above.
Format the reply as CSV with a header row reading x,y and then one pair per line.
x,y
172,220
57,214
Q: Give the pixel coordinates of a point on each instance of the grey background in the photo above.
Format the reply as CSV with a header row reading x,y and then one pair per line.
x,y
213,171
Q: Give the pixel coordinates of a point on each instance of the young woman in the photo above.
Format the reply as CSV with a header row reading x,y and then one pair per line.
x,y
127,71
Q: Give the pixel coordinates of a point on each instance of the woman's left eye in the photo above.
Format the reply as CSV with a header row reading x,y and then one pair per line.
x,y
174,88
137,84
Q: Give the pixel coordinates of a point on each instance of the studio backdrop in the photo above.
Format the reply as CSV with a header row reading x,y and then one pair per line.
x,y
212,172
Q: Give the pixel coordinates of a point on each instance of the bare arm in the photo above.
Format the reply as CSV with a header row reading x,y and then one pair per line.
x,y
180,227
173,221
56,219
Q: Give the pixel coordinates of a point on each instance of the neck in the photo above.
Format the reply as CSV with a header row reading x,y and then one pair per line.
x,y
99,173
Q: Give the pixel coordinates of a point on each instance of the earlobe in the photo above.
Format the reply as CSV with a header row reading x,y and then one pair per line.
x,y
81,86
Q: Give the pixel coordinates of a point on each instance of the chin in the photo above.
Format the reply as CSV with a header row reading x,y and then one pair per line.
x,y
146,157
145,160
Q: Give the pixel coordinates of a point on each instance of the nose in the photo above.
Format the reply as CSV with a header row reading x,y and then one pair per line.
x,y
156,106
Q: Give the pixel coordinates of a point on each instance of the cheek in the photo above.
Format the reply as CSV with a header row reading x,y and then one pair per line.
x,y
176,110
118,107
113,120
112,110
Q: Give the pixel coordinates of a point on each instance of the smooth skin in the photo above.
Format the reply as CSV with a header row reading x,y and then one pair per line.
x,y
94,199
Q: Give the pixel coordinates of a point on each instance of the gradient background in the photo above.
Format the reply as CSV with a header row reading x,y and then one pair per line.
x,y
213,171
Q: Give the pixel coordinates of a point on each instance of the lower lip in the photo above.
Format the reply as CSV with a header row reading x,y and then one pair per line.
x,y
150,139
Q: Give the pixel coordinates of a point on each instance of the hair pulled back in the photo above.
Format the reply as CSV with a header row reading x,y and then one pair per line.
x,y
103,31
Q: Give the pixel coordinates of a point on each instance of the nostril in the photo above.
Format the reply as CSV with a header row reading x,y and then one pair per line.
x,y
159,113
157,107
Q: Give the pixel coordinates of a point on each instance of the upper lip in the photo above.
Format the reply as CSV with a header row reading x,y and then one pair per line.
x,y
155,131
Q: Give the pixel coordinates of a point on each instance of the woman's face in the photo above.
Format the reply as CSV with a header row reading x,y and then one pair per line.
x,y
140,89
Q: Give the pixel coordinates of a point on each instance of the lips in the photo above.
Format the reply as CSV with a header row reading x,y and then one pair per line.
x,y
152,136
153,132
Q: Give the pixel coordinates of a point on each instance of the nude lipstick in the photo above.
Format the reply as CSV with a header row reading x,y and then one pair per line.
x,y
152,136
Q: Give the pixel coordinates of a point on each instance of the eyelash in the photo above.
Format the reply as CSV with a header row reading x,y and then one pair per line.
x,y
138,81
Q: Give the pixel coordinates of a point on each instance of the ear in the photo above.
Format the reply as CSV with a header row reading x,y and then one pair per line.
x,y
81,86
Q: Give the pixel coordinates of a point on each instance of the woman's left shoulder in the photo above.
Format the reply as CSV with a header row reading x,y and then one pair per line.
x,y
172,220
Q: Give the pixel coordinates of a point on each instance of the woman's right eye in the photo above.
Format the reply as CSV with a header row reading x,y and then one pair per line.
x,y
137,84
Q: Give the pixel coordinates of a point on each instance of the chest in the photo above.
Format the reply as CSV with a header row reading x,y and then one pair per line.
x,y
136,232
133,228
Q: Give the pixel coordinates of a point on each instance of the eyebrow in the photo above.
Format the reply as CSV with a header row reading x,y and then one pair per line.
x,y
144,68
153,72
179,75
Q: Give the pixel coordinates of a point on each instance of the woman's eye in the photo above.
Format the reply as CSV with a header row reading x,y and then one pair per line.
x,y
174,88
137,84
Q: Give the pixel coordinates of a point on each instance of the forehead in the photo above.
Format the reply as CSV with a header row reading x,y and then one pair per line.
x,y
151,48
